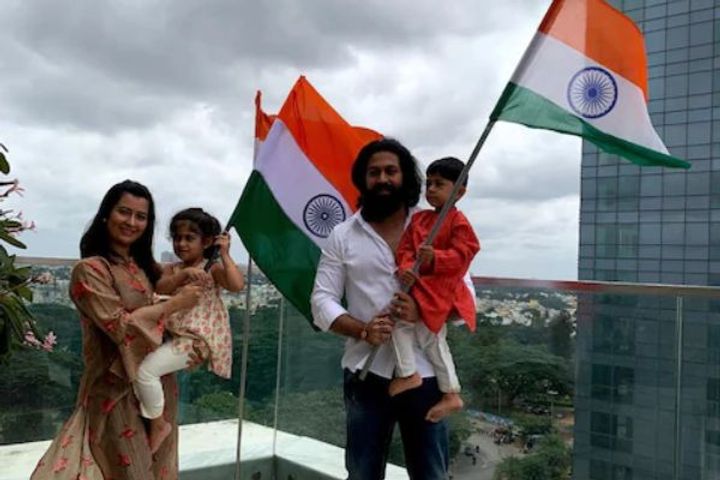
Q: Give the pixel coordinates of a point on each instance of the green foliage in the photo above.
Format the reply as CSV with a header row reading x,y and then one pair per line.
x,y
460,430
4,165
212,406
550,460
38,391
533,424
16,322
561,335
318,414
512,359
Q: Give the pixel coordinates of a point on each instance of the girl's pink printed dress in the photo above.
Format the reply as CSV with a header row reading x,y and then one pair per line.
x,y
204,329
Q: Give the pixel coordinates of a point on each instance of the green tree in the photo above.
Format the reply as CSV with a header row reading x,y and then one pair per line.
x,y
533,424
518,370
550,460
561,335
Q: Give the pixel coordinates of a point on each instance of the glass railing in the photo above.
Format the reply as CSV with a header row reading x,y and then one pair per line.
x,y
582,380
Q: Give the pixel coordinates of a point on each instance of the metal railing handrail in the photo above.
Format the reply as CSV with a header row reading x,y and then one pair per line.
x,y
575,286
593,286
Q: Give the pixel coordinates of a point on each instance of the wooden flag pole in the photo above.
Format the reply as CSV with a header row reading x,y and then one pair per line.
x,y
436,227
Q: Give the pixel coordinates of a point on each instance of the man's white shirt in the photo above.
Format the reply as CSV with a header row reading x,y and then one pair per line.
x,y
360,265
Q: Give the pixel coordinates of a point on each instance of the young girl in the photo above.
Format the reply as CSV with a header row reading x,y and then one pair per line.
x,y
203,330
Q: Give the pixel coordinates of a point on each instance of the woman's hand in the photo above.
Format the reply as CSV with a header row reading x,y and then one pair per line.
x,y
379,329
193,361
404,308
194,276
187,297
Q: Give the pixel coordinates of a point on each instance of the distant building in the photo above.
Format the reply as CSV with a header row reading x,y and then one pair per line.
x,y
653,225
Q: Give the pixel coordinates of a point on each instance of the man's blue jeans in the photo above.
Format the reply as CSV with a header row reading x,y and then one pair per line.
x,y
371,417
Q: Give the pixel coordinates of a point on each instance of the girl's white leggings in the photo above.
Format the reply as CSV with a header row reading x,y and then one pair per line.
x,y
147,386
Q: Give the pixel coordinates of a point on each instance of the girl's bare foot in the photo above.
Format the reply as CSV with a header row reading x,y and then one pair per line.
x,y
403,384
450,403
159,431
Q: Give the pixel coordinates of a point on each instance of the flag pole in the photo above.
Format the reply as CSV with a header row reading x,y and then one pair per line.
x,y
215,253
436,226
278,368
243,368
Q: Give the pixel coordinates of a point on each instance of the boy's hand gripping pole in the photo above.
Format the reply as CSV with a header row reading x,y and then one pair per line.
x,y
436,227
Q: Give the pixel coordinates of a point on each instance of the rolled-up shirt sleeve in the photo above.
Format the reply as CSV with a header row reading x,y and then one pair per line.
x,y
329,285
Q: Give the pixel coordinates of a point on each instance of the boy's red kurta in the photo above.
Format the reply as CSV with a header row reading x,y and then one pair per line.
x,y
440,289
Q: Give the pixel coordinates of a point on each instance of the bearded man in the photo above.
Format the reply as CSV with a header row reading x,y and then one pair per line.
x,y
358,265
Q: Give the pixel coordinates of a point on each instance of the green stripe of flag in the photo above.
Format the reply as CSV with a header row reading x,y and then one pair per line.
x,y
521,105
283,252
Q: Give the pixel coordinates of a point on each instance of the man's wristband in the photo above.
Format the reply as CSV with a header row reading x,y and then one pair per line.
x,y
364,333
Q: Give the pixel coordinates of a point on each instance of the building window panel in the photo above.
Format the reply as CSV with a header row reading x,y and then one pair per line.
x,y
673,234
698,184
701,51
674,184
696,233
675,135
673,104
650,185
678,37
655,41
675,86
702,65
701,33
650,234
699,83
679,6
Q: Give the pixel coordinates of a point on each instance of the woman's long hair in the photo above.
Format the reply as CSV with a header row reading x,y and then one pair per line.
x,y
95,240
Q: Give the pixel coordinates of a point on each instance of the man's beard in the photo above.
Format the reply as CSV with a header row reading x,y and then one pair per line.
x,y
380,202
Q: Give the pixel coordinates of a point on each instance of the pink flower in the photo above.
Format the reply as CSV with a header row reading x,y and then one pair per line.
x,y
49,342
43,278
14,188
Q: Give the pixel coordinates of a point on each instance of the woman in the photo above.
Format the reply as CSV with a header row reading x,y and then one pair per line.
x,y
112,288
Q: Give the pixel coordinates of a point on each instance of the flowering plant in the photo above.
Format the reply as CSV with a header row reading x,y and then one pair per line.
x,y
17,326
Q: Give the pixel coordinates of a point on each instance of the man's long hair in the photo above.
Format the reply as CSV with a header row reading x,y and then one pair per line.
x,y
96,242
412,179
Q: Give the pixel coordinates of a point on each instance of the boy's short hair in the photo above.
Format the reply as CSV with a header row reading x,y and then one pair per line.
x,y
448,168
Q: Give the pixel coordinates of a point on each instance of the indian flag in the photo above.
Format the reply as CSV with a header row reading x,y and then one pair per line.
x,y
299,189
585,74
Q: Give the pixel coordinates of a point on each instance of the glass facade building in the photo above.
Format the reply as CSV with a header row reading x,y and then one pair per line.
x,y
648,369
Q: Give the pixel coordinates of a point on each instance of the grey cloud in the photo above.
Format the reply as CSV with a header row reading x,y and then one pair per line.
x,y
161,91
107,65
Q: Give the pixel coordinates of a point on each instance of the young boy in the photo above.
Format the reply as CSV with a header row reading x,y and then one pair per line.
x,y
439,290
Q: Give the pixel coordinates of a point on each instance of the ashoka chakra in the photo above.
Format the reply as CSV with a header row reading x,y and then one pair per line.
x,y
322,213
592,92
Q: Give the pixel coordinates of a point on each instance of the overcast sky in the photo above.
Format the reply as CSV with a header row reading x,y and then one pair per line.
x,y
162,92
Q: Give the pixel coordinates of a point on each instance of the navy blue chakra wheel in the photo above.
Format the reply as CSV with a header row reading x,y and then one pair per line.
x,y
592,92
322,213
